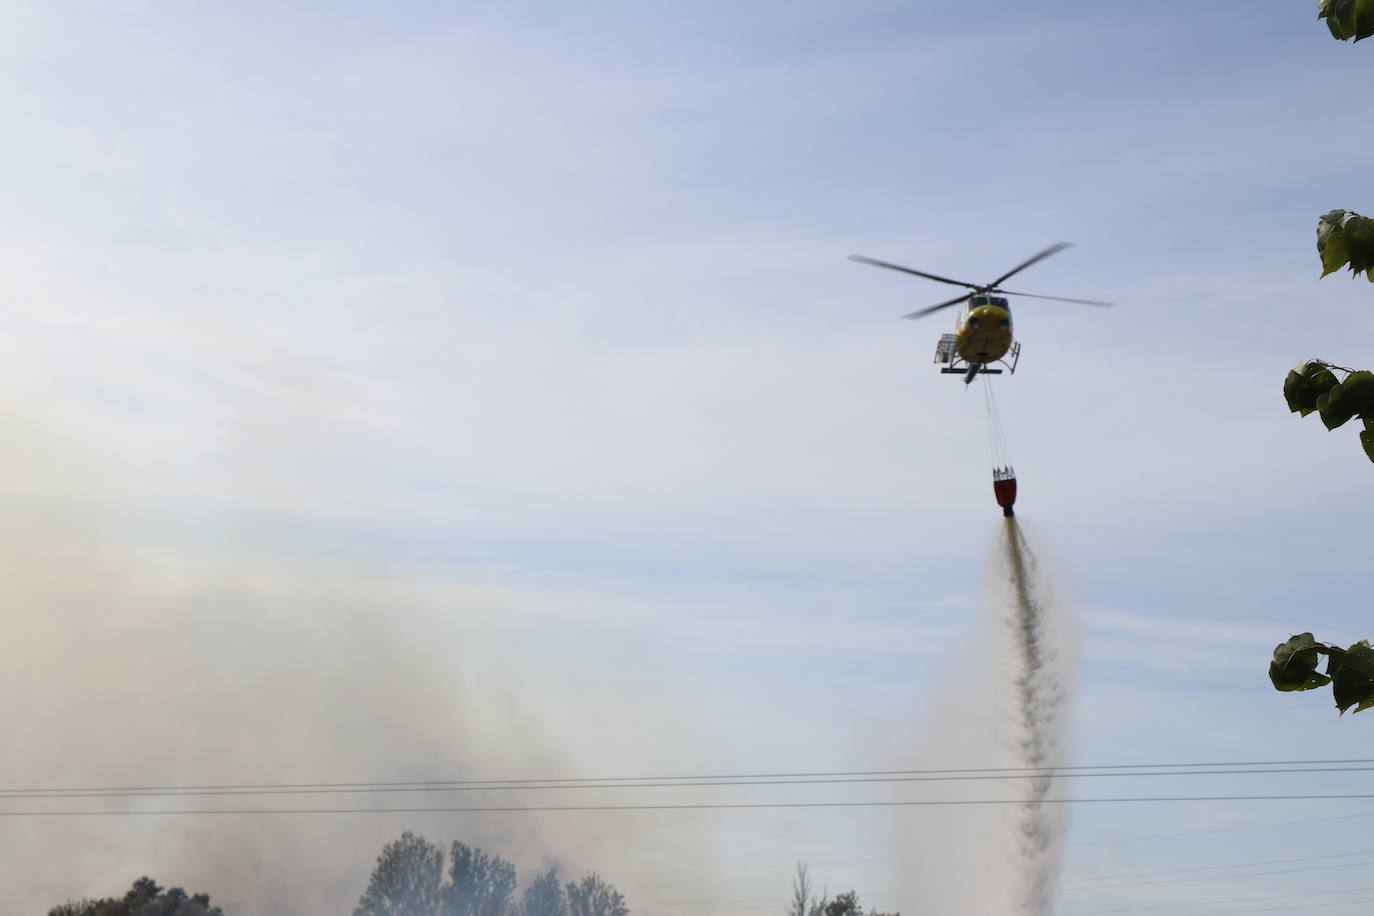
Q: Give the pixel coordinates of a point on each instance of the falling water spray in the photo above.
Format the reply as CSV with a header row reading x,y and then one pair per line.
x,y
1039,694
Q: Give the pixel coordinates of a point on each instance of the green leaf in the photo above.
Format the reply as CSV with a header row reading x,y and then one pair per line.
x,y
1332,413
1344,238
1322,377
1359,235
1335,253
1353,684
1333,217
1357,392
1364,19
1327,224
1339,16
1336,408
1299,393
1307,381
1346,11
1288,682
1295,664
1299,650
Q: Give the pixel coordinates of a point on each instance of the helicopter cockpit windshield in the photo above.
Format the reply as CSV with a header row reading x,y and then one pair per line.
x,y
984,299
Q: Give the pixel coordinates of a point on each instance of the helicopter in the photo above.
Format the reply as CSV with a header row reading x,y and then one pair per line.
x,y
982,331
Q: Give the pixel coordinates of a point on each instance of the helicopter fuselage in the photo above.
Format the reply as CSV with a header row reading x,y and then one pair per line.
x,y
983,332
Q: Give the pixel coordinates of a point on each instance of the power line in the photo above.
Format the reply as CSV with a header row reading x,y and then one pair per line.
x,y
805,778
702,806
356,788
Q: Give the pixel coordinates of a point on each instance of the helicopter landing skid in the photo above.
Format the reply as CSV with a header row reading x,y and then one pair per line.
x,y
944,353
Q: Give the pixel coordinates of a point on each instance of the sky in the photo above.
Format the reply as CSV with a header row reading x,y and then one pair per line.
x,y
459,391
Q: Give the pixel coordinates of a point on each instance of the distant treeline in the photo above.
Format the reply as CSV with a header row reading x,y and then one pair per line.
x,y
145,898
414,877
409,879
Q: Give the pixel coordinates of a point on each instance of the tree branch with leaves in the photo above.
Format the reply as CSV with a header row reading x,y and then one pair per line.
x,y
1345,240
1347,18
1350,672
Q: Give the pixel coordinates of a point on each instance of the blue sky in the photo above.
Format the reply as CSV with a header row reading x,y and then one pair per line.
x,y
482,390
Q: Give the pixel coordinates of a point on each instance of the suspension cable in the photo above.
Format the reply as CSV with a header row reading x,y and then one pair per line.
x,y
997,443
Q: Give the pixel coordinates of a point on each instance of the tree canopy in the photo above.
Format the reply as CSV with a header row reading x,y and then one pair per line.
x,y
478,884
594,897
805,903
406,880
544,897
145,898
409,880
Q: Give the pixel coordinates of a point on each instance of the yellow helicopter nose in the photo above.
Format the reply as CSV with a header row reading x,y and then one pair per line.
x,y
985,335
989,316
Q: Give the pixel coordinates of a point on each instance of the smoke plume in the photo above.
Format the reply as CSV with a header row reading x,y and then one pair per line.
x,y
152,646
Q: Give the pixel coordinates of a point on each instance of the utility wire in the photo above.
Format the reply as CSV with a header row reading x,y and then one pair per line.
x,y
359,788
838,776
702,806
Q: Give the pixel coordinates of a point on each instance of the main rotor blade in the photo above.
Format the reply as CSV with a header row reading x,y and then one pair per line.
x,y
907,270
935,308
1007,292
1053,249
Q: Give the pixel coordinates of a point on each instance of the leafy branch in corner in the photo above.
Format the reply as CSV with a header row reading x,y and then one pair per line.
x,y
1350,672
1347,18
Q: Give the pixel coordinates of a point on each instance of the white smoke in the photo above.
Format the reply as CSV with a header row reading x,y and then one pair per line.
x,y
139,651
1004,705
